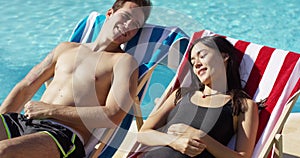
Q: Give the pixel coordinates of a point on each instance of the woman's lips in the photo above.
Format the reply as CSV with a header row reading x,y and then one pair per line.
x,y
202,71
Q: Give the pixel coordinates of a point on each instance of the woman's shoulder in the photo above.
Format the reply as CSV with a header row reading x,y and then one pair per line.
x,y
252,107
251,102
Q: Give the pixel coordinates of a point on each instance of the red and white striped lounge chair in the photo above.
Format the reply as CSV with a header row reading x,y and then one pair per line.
x,y
268,73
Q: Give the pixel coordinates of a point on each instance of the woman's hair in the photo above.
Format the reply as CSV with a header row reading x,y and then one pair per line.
x,y
146,4
232,72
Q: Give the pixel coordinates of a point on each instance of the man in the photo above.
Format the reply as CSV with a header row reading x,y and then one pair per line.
x,y
93,86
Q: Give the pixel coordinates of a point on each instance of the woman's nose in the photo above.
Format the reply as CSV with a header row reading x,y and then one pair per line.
x,y
197,63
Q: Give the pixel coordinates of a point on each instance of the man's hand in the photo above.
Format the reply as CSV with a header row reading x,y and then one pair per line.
x,y
37,110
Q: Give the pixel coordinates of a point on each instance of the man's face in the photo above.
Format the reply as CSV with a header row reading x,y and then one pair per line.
x,y
125,22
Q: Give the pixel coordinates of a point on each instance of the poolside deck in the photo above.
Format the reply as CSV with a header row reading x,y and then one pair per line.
x,y
291,139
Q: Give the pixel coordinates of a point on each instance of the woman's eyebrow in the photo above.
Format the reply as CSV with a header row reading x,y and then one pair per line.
x,y
201,50
198,52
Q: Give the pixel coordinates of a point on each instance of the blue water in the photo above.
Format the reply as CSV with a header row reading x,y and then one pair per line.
x,y
30,29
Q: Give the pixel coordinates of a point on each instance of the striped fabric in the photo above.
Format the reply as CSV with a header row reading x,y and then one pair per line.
x,y
267,73
151,45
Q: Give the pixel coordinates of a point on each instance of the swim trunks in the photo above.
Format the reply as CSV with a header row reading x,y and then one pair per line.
x,y
68,143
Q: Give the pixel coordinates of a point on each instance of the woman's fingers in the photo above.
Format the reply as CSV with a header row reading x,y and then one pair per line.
x,y
195,148
195,143
178,128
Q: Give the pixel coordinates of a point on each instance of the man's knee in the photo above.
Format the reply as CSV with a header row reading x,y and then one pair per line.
x,y
6,150
3,134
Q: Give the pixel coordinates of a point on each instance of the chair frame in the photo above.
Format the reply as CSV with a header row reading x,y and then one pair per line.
x,y
274,139
276,136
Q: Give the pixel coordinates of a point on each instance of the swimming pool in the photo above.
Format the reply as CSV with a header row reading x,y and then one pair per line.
x,y
30,29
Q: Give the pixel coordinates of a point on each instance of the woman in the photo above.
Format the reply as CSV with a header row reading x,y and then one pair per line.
x,y
200,120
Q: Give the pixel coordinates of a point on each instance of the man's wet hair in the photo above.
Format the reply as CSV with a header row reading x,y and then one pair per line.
x,y
145,4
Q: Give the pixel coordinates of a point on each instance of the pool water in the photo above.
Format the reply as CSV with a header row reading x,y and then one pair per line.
x,y
30,29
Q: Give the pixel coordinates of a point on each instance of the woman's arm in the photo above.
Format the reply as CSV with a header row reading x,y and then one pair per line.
x,y
247,130
246,136
149,135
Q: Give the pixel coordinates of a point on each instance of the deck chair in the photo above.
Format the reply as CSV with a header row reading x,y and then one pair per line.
x,y
268,73
152,45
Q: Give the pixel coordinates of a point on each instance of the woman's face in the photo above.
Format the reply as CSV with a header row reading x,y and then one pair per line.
x,y
208,64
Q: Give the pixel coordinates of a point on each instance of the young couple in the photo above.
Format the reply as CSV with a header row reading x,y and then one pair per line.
x,y
94,86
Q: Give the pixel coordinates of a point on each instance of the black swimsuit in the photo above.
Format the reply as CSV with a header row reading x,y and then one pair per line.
x,y
217,122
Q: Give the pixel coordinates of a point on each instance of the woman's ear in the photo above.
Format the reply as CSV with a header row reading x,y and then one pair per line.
x,y
225,56
109,12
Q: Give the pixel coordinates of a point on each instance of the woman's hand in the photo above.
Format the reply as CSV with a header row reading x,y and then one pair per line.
x,y
189,141
188,146
185,130
37,110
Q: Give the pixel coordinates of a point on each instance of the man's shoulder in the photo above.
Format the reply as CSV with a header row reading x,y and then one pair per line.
x,y
64,47
67,45
124,60
127,57
119,56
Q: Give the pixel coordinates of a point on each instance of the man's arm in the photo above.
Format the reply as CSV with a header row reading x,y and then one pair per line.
x,y
123,90
27,87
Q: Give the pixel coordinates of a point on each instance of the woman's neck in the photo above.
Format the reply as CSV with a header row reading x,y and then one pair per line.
x,y
208,91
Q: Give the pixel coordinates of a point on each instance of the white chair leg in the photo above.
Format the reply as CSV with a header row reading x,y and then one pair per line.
x,y
278,152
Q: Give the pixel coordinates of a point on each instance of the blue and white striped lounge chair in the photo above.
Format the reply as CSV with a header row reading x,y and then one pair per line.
x,y
151,45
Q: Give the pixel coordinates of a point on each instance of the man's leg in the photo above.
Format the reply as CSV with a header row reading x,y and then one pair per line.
x,y
32,145
3,134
